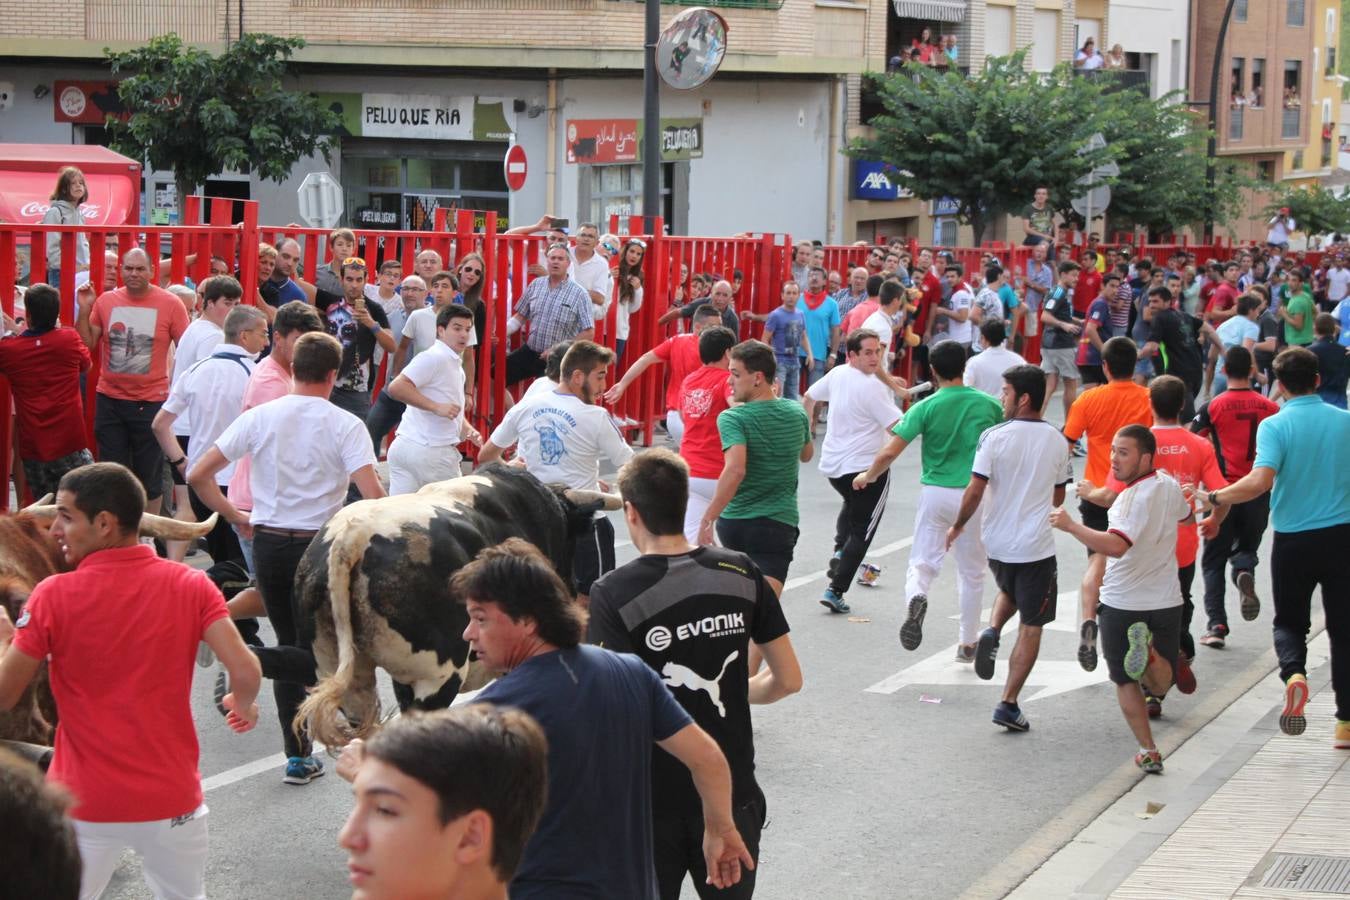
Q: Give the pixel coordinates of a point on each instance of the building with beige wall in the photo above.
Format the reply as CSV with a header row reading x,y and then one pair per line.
x,y
759,147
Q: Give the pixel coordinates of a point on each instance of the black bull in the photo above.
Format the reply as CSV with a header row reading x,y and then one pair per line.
x,y
373,589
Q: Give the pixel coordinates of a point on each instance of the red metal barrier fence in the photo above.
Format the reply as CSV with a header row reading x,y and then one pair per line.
x,y
764,261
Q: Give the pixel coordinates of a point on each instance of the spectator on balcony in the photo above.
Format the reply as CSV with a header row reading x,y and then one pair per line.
x,y
949,50
70,192
1291,100
925,47
1087,58
1115,58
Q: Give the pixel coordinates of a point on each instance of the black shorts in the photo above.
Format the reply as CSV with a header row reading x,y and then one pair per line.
x,y
1113,625
1033,588
1091,374
594,554
677,844
122,431
768,542
1094,517
173,470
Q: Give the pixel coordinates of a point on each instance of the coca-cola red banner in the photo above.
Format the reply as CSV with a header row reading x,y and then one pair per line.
x,y
24,197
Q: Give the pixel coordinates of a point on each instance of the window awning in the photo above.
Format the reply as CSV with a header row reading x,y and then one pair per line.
x,y
937,10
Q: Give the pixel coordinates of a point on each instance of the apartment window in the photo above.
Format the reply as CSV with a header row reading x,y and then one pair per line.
x,y
1240,11
1175,84
1298,160
609,190
998,31
1294,12
1044,39
1265,170
1237,96
1292,98
1256,96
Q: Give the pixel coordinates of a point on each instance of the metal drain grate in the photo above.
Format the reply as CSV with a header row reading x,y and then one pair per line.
x,y
1301,872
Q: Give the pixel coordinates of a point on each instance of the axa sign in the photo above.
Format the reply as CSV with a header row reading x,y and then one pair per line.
x,y
874,180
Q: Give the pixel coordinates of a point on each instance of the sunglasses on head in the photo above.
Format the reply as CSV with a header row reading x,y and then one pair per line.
x,y
354,261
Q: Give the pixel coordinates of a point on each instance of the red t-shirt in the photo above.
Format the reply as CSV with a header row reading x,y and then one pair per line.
x,y
932,297
1224,297
121,632
704,394
1087,289
1190,460
134,349
680,354
1232,418
44,373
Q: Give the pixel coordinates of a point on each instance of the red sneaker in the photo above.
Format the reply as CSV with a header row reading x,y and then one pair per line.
x,y
1185,678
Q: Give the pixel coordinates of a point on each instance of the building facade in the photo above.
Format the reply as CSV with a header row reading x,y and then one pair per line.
x,y
431,95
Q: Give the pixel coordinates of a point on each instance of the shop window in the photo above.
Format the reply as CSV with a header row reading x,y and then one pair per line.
x,y
616,190
401,184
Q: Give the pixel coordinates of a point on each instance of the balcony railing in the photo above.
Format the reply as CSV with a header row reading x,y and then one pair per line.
x,y
1118,79
1235,122
1289,121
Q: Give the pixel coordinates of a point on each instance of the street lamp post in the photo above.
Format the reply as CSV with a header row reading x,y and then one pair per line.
x,y
651,115
1213,147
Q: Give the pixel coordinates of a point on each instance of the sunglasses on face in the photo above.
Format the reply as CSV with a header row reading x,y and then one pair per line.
x,y
470,271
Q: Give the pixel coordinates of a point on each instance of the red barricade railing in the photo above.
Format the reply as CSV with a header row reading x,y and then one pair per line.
x,y
211,233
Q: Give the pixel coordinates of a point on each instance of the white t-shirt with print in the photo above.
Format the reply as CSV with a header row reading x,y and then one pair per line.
x,y
1146,514
305,451
562,439
1023,460
861,410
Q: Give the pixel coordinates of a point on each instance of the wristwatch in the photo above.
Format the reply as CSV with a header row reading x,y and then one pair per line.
x,y
175,463
1214,498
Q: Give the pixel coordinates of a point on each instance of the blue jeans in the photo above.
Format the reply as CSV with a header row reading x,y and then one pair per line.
x,y
789,376
818,370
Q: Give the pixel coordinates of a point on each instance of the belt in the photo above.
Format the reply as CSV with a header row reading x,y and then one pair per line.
x,y
285,532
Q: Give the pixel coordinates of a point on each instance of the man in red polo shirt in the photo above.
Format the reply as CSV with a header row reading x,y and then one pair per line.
x,y
1089,284
680,354
121,632
1222,303
43,365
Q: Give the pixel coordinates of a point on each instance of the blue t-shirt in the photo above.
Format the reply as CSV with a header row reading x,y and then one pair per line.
x,y
819,322
601,713
1297,442
288,290
1235,332
786,330
1342,312
1009,298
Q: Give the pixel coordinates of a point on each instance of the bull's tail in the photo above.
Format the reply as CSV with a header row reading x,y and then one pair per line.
x,y
320,712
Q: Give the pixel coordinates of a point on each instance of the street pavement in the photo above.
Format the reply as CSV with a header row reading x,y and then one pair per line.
x,y
885,777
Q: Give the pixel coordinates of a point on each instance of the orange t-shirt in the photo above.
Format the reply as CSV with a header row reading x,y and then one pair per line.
x,y
1189,459
1100,412
134,349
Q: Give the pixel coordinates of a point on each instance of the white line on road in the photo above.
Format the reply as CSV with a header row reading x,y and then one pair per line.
x,y
894,547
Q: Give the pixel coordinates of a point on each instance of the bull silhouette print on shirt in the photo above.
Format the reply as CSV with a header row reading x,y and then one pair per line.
x,y
677,675
551,445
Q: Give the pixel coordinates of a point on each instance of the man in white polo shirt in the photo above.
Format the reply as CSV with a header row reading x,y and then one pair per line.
x,y
862,412
304,451
1141,608
562,435
591,269
208,397
432,386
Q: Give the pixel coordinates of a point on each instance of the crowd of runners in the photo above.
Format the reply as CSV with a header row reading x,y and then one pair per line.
x,y
1206,398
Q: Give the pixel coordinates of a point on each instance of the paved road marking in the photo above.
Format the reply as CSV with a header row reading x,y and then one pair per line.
x,y
888,549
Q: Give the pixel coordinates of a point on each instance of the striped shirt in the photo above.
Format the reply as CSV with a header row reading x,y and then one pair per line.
x,y
554,313
773,433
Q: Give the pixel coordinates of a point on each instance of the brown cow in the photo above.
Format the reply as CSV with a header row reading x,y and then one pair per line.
x,y
28,555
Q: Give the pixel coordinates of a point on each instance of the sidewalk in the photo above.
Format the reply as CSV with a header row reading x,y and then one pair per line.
x,y
1236,801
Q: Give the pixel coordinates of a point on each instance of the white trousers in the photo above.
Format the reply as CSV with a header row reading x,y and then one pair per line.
x,y
172,852
675,427
413,465
938,509
701,492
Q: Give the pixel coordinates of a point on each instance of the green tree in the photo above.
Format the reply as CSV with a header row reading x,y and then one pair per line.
x,y
1314,209
987,140
198,115
1161,153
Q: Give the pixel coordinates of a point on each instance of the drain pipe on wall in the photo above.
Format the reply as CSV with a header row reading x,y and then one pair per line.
x,y
551,164
833,213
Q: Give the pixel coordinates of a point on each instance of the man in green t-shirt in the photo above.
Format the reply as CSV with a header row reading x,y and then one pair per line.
x,y
755,503
951,422
1297,312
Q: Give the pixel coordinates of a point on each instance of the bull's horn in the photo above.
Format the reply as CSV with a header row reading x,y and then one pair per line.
x,y
173,530
40,505
583,498
40,512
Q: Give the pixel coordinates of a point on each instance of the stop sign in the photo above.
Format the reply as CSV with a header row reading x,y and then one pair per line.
x,y
515,167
